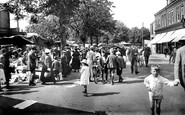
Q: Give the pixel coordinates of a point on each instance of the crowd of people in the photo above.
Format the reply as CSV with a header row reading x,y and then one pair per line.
x,y
92,63
104,63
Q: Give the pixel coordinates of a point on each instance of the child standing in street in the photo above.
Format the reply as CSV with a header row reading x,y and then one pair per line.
x,y
84,75
120,66
154,84
56,67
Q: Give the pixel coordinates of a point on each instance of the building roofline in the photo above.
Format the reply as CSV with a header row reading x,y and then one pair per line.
x,y
167,6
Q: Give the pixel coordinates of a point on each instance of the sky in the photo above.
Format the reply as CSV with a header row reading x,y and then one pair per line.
x,y
135,12
131,12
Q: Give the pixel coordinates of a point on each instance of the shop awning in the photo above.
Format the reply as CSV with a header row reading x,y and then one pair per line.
x,y
154,39
173,36
180,35
166,37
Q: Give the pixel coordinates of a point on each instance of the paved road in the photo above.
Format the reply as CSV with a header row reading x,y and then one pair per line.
x,y
127,98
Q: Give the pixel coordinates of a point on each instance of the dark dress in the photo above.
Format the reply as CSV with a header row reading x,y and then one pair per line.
x,y
64,66
76,60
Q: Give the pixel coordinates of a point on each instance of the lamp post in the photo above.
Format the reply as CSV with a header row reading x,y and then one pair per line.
x,y
142,34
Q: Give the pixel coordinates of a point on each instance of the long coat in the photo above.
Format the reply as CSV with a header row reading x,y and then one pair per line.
x,y
76,60
147,51
111,61
31,63
179,66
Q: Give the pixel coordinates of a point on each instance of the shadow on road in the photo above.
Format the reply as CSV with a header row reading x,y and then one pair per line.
x,y
102,94
6,108
19,89
59,83
17,92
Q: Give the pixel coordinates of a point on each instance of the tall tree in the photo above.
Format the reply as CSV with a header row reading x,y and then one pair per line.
x,y
120,32
137,35
93,17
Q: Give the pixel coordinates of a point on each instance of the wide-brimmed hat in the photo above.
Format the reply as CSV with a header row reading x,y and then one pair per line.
x,y
118,53
47,51
91,47
84,61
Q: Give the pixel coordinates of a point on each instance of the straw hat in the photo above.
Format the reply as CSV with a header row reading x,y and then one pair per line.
x,y
84,61
47,51
118,53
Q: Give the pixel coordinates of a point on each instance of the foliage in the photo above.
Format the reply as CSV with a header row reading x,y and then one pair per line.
x,y
120,33
47,27
93,17
137,35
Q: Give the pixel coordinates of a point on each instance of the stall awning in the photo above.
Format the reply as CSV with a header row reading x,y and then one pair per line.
x,y
154,39
166,37
180,35
15,40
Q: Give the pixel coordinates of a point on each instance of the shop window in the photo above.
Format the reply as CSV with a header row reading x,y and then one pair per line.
x,y
182,11
169,17
178,13
172,17
164,19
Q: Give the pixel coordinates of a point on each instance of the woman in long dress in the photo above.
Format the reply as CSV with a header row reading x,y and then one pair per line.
x,y
75,60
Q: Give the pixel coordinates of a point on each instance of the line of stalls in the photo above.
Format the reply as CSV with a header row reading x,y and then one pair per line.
x,y
170,40
22,40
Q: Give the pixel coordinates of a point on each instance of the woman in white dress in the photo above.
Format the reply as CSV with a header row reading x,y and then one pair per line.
x,y
84,75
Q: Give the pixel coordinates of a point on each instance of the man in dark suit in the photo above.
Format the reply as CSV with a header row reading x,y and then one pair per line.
x,y
147,53
132,54
32,65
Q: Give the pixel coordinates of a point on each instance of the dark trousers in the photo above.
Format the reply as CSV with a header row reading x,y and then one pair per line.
x,y
146,60
31,80
7,77
119,72
56,72
104,73
134,65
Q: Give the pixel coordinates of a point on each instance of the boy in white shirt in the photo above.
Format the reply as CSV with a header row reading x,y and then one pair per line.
x,y
154,84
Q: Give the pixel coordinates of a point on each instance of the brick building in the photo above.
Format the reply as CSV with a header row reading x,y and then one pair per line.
x,y
169,26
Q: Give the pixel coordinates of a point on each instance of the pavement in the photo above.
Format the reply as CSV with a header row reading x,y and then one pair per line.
x,y
65,97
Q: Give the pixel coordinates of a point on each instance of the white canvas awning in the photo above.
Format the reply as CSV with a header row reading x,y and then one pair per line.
x,y
157,38
173,36
180,35
166,37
